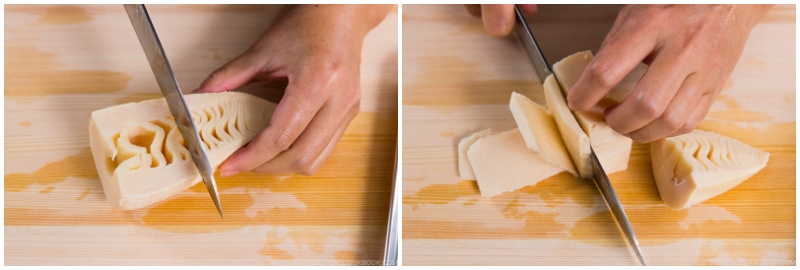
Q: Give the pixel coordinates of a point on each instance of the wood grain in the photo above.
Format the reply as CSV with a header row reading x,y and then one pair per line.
x,y
457,80
63,62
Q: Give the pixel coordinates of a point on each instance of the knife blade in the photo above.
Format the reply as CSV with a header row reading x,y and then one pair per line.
x,y
151,45
544,69
391,248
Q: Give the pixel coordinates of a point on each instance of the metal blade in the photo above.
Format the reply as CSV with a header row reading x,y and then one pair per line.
x,y
140,20
391,248
532,49
543,69
604,185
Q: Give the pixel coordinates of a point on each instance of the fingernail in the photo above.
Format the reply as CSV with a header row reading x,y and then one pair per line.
x,y
226,173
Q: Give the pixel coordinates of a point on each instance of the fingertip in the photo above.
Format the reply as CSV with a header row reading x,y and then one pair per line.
x,y
571,103
201,89
498,20
258,151
211,83
233,164
230,76
227,172
217,81
529,8
575,103
496,28
225,169
501,30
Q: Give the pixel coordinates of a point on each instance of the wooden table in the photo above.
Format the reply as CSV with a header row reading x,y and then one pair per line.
x,y
457,80
63,62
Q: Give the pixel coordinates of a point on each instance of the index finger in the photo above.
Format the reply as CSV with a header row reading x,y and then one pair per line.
x,y
291,117
626,45
232,75
498,20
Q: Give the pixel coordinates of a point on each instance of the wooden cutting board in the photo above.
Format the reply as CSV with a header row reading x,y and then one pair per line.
x,y
63,62
457,80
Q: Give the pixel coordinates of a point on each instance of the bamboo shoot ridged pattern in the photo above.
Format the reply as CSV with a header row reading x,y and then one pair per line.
x,y
140,154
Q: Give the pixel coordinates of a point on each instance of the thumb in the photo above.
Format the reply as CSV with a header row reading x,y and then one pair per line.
x,y
234,74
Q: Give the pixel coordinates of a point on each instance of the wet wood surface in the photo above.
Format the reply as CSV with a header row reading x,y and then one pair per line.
x,y
457,81
63,62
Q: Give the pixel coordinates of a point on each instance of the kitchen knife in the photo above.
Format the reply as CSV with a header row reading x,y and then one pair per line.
x,y
391,248
172,94
543,69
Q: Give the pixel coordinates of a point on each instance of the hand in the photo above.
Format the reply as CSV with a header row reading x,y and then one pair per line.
x,y
317,49
498,20
691,51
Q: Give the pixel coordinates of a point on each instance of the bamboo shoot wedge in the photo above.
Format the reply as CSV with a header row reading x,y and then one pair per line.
x,y
539,131
694,167
139,153
613,149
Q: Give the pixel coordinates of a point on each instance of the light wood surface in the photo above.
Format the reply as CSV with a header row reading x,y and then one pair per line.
x,y
63,62
457,80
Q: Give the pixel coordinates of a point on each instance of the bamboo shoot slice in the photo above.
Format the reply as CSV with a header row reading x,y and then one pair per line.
x,y
575,140
139,153
612,149
571,67
464,166
694,167
502,163
539,131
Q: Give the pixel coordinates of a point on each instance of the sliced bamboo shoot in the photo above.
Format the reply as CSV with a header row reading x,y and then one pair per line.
x,y
502,163
464,166
139,152
613,149
694,167
574,138
539,131
571,67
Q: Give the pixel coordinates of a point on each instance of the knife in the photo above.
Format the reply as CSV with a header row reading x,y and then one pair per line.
x,y
140,20
391,248
543,69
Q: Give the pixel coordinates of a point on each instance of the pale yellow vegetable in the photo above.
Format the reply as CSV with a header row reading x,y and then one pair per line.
x,y
539,131
571,67
464,166
501,163
139,153
694,167
612,149
575,140
557,140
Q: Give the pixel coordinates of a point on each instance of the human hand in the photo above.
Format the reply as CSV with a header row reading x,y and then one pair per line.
x,y
317,49
691,51
498,20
